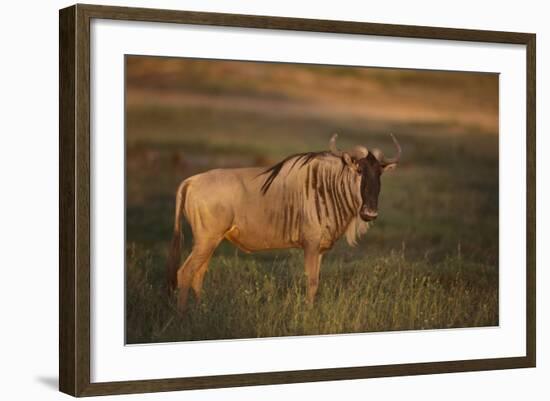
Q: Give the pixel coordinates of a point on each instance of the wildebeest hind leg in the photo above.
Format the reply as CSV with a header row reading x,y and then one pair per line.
x,y
200,255
198,278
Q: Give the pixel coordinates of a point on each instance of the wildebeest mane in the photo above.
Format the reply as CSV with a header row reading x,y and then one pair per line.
x,y
301,158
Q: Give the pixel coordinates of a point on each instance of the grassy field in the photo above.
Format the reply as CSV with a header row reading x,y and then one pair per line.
x,y
429,261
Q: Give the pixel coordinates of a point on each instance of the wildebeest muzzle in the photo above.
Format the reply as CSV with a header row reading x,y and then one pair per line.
x,y
368,214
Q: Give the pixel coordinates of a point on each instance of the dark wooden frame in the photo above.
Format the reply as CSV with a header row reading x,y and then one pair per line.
x,y
74,202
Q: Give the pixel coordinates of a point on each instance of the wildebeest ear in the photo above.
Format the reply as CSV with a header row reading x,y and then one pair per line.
x,y
389,167
350,162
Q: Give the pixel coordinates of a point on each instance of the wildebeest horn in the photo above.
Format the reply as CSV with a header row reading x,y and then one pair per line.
x,y
397,156
332,146
357,152
385,161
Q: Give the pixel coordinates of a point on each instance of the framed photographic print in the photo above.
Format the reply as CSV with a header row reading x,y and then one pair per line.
x,y
251,200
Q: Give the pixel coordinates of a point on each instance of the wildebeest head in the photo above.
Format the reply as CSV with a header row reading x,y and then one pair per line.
x,y
369,165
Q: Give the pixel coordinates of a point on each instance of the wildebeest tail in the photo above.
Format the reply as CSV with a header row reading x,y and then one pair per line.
x,y
177,237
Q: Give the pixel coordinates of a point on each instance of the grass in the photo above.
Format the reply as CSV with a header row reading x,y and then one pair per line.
x,y
247,298
430,261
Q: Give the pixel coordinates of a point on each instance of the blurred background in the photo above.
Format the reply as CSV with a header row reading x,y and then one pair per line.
x,y
429,261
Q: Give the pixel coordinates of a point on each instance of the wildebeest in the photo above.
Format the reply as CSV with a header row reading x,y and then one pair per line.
x,y
308,200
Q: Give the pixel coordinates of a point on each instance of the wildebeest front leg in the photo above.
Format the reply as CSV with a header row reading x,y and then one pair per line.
x,y
312,258
200,255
